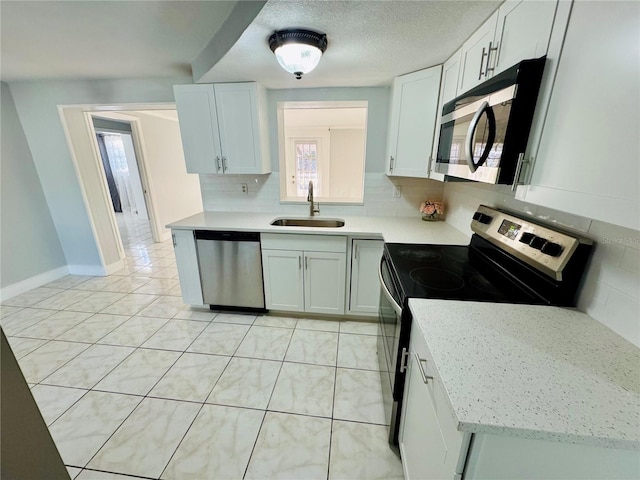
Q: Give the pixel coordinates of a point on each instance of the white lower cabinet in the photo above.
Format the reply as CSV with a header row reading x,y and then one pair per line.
x,y
283,280
364,292
304,273
324,290
184,246
431,446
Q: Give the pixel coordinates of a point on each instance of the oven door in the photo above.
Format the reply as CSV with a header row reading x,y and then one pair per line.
x,y
389,330
390,316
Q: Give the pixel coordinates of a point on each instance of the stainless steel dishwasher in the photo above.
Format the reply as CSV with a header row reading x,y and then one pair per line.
x,y
230,269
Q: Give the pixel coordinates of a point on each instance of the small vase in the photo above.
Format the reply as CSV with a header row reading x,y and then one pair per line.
x,y
431,218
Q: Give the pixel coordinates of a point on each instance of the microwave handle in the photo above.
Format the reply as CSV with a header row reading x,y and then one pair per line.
x,y
472,128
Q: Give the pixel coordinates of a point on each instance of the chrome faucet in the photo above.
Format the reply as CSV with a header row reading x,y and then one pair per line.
x,y
312,208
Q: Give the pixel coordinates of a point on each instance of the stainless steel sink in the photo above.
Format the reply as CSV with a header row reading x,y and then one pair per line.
x,y
308,222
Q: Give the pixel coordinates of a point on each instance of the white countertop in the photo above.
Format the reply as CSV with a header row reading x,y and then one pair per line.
x,y
534,371
392,229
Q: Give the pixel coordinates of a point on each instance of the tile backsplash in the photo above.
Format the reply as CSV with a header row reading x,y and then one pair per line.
x,y
224,193
611,289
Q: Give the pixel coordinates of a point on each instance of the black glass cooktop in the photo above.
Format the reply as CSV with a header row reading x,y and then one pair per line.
x,y
449,272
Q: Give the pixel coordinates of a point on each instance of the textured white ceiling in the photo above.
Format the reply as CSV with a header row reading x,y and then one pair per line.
x,y
370,42
105,39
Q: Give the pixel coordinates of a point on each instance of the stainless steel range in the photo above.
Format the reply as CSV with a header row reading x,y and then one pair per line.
x,y
509,260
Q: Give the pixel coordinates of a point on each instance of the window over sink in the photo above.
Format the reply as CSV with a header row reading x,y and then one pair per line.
x,y
322,142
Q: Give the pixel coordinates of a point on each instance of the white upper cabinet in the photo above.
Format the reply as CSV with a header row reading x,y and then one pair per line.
x,y
196,106
450,75
587,160
523,31
519,30
223,128
448,91
475,51
414,110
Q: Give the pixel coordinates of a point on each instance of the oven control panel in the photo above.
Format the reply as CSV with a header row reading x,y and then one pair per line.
x,y
539,246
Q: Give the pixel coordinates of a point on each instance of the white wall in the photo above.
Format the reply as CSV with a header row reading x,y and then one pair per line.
x,y
347,157
29,244
176,194
222,193
94,188
377,117
36,103
611,289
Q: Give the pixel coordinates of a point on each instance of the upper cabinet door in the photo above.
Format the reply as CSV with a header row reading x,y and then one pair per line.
x,y
224,128
475,54
448,91
450,75
414,110
587,161
523,31
239,126
196,106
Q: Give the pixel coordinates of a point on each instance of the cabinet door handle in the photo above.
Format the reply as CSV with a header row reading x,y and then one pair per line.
x,y
516,175
484,54
217,164
224,164
391,164
419,362
356,253
486,68
403,360
299,263
306,263
173,238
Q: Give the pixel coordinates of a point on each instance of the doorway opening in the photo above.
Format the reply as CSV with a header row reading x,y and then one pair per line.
x,y
121,167
169,193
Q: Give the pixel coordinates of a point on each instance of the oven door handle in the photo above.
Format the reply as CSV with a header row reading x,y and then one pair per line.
x,y
387,294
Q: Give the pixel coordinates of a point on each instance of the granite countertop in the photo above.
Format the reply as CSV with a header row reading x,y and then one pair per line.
x,y
391,229
533,371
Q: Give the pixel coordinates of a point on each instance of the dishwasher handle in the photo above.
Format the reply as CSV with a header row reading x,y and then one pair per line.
x,y
227,236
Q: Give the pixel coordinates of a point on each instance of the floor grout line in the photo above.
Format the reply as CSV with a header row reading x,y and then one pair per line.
x,y
134,246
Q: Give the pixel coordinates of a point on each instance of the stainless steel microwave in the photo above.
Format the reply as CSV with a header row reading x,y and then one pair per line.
x,y
484,132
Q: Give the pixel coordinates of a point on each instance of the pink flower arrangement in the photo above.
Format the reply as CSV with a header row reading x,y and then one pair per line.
x,y
431,210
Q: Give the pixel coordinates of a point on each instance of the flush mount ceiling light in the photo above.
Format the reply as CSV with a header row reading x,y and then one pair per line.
x,y
298,51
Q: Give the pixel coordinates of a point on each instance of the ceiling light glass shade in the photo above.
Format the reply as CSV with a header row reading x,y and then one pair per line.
x,y
298,51
298,58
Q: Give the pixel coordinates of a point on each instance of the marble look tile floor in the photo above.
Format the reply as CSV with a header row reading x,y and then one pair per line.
x,y
132,383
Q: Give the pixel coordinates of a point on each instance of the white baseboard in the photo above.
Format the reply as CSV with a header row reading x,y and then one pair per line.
x,y
36,281
91,270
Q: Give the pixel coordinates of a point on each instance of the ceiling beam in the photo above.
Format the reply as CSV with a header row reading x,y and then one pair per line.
x,y
239,19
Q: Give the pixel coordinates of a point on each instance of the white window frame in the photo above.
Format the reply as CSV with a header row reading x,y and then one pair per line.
x,y
287,153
